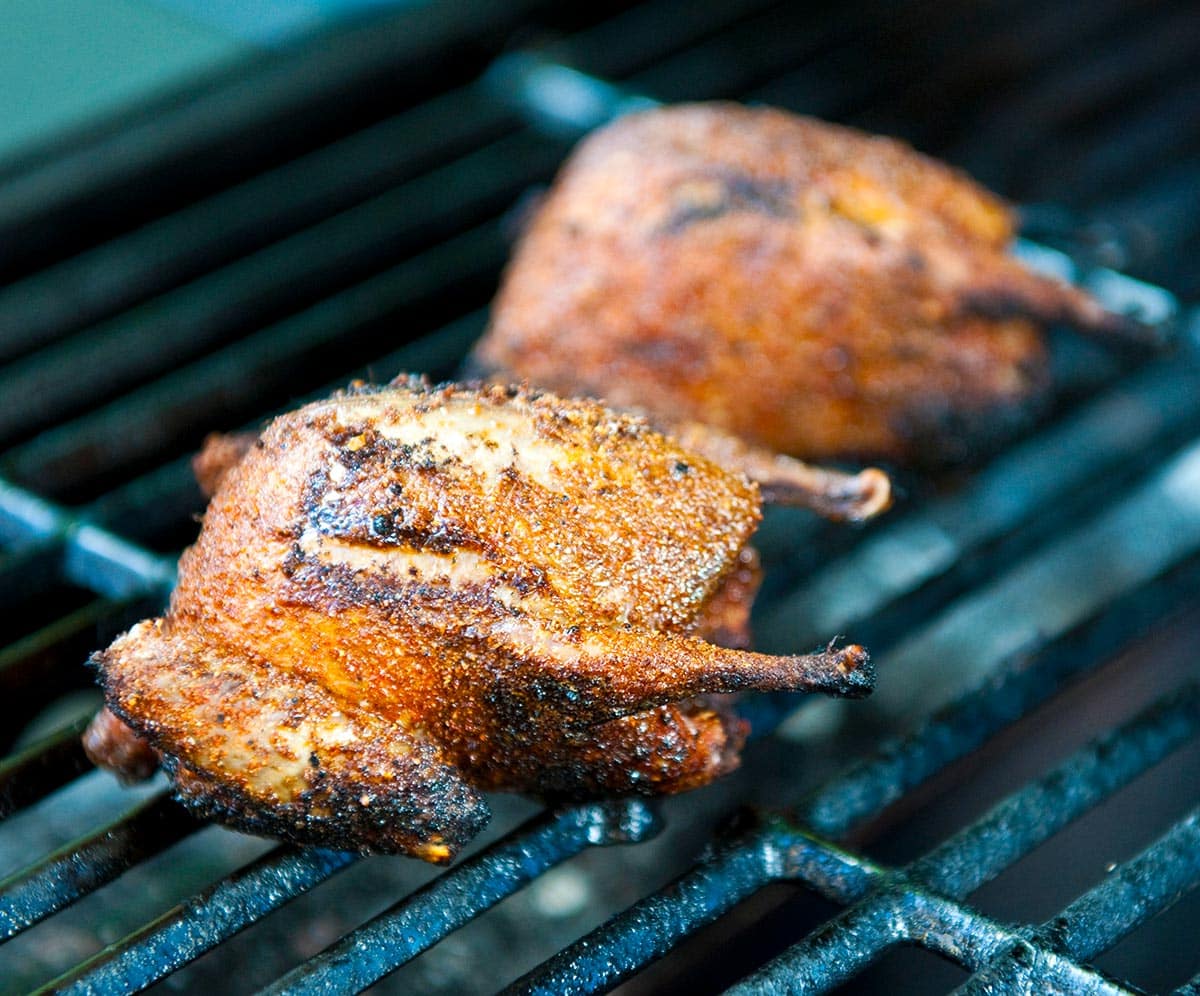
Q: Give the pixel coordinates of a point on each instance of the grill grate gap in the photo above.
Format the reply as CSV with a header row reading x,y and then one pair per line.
x,y
1139,956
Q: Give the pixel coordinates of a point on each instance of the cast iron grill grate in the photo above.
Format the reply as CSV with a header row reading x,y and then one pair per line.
x,y
251,285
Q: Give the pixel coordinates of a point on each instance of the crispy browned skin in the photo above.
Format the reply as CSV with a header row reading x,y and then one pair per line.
x,y
404,596
782,480
809,288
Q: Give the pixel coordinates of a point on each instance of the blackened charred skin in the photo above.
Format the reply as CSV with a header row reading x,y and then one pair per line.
x,y
433,821
391,528
711,197
855,664
330,513
433,603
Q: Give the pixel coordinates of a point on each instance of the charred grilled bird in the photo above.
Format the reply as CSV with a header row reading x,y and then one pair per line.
x,y
403,597
809,288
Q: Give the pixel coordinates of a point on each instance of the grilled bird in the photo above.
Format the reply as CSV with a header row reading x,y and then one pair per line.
x,y
402,597
809,288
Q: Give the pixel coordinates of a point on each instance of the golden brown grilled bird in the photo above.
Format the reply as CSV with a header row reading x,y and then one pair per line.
x,y
401,597
809,288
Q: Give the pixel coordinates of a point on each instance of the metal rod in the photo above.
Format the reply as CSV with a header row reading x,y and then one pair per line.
x,y
293,273
241,219
43,767
144,505
1132,893
181,246
201,923
900,764
904,913
1035,813
1038,475
71,636
844,945
246,376
650,928
1137,539
398,935
92,557
95,859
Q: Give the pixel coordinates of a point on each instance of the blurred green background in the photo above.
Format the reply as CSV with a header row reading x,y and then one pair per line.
x,y
64,62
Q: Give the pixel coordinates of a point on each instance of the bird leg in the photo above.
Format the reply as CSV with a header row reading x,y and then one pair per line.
x,y
1002,287
112,745
784,480
219,454
583,677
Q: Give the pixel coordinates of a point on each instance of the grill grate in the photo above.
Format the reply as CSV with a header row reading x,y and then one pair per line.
x,y
769,852
133,324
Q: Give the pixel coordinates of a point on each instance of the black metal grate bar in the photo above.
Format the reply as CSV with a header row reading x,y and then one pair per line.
x,y
239,377
82,866
901,764
379,947
1011,830
70,635
1132,894
276,203
635,38
652,927
149,260
1113,71
1032,480
259,288
752,53
646,931
92,557
1190,988
899,915
204,921
1026,39
1154,526
39,667
279,202
144,504
43,767
401,933
1031,816
907,914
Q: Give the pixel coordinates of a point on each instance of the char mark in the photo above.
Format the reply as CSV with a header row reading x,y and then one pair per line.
x,y
734,192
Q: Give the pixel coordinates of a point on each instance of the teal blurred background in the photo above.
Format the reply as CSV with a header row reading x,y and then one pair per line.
x,y
65,62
